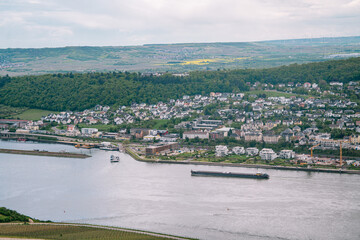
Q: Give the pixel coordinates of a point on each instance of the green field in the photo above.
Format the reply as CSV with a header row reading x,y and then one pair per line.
x,y
7,111
67,232
160,123
273,93
32,114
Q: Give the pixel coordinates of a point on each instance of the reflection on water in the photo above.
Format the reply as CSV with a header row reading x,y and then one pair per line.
x,y
165,198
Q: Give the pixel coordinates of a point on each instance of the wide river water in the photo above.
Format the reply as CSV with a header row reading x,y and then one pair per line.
x,y
165,198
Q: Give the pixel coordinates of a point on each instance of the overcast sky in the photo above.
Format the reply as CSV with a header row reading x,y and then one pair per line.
x,y
54,23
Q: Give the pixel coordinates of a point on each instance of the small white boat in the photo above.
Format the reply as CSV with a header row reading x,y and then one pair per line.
x,y
114,158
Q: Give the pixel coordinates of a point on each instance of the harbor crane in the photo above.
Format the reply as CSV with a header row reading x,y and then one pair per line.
x,y
340,145
312,148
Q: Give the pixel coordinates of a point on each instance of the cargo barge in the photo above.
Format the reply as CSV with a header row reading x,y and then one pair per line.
x,y
229,174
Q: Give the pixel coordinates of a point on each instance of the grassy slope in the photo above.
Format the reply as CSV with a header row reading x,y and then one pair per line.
x,y
7,111
8,215
69,232
32,114
273,93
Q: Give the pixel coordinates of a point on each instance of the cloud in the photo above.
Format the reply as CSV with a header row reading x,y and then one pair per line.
x,y
51,31
114,22
92,21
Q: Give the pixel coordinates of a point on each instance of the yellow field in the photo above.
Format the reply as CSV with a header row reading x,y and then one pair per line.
x,y
199,62
205,61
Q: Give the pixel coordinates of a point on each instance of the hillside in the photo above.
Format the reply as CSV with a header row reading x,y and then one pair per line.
x,y
7,215
77,91
176,57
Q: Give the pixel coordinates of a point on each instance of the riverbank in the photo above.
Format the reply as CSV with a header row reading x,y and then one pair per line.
x,y
69,231
44,153
14,224
305,169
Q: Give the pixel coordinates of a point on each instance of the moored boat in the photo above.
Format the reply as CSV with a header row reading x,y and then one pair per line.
x,y
114,158
87,146
109,148
230,174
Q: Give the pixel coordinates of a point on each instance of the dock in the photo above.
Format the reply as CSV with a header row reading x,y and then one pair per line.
x,y
44,153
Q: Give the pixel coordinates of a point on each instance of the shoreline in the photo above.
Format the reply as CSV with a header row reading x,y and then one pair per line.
x,y
141,159
276,167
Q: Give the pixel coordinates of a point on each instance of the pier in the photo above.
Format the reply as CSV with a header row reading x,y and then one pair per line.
x,y
44,153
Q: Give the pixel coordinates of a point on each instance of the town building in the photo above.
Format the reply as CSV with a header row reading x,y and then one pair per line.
x,y
267,154
139,133
216,135
297,129
253,136
156,149
4,126
206,124
238,150
225,130
287,154
271,137
221,151
287,134
150,138
14,122
196,134
88,131
169,137
307,85
252,151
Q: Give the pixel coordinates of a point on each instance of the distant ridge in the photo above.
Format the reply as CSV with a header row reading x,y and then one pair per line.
x,y
177,57
317,39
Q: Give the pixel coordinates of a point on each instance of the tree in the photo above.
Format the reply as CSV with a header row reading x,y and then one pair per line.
x,y
248,108
76,91
181,131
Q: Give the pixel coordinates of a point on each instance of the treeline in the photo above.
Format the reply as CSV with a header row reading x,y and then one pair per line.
x,y
75,91
7,215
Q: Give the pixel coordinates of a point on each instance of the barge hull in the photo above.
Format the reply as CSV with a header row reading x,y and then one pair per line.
x,y
229,174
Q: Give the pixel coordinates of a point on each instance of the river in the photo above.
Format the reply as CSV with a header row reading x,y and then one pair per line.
x,y
165,198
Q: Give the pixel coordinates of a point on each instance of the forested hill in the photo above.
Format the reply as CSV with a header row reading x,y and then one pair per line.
x,y
81,91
